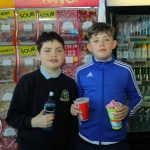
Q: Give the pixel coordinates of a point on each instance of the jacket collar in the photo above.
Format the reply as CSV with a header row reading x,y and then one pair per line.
x,y
103,63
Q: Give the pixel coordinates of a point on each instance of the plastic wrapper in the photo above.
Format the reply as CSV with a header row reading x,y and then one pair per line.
x,y
68,25
7,27
7,88
87,18
7,136
27,60
47,21
85,54
71,60
27,34
7,63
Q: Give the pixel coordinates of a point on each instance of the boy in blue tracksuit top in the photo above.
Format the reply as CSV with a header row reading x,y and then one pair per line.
x,y
102,80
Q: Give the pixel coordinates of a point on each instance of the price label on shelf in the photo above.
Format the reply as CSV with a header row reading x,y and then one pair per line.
x,y
27,26
28,62
68,25
5,27
86,24
6,62
48,26
138,82
69,59
7,96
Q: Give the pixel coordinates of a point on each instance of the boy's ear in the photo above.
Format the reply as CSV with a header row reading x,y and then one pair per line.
x,y
38,56
114,44
89,47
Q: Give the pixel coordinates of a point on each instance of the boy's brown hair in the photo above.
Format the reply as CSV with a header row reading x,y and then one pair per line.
x,y
100,27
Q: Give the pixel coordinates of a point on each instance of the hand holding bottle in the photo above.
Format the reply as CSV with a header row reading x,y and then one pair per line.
x,y
42,121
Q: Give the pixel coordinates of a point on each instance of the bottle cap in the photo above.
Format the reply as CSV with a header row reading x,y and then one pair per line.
x,y
51,93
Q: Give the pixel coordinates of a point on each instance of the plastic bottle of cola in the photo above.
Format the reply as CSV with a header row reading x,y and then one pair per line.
x,y
49,107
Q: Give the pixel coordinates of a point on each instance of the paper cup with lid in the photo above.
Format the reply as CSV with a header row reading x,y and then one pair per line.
x,y
83,104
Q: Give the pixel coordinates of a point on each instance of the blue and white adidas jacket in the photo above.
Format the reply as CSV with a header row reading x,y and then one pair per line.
x,y
102,82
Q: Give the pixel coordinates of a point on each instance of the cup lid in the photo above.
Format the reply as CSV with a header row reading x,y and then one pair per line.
x,y
82,99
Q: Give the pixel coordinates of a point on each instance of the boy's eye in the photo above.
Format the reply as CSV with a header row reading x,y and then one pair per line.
x,y
59,50
95,40
106,39
47,50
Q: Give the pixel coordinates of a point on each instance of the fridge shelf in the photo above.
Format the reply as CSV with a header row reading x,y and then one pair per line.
x,y
143,82
139,60
133,37
146,104
134,60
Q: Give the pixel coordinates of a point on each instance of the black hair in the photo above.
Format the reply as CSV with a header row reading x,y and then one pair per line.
x,y
100,27
49,36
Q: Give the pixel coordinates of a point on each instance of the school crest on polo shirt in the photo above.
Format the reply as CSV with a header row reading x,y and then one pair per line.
x,y
64,95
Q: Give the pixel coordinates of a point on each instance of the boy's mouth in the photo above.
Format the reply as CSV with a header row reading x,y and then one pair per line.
x,y
102,50
53,60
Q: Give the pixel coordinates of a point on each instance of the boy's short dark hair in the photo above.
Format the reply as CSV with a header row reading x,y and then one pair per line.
x,y
49,36
100,27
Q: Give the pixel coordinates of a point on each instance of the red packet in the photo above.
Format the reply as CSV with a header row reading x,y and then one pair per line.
x,y
71,60
87,18
68,22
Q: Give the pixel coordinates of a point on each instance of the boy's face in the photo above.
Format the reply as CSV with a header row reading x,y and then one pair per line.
x,y
101,46
51,55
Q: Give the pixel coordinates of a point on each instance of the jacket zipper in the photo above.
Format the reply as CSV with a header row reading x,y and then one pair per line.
x,y
102,101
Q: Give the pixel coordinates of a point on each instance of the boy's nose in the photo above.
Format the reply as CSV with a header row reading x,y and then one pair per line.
x,y
101,44
53,53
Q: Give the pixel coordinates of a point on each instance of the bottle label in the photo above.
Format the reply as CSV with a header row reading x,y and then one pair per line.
x,y
130,54
149,53
49,112
49,109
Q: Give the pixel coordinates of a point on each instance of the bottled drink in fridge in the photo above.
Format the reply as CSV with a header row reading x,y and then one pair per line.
x,y
148,72
148,25
125,51
148,51
137,73
131,51
137,27
138,122
137,51
119,28
131,121
125,28
143,26
119,53
49,107
144,51
143,72
145,124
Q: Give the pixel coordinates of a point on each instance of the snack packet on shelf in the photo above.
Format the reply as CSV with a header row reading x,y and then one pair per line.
x,y
85,54
27,59
7,136
47,21
71,60
7,63
27,27
87,18
68,25
7,27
